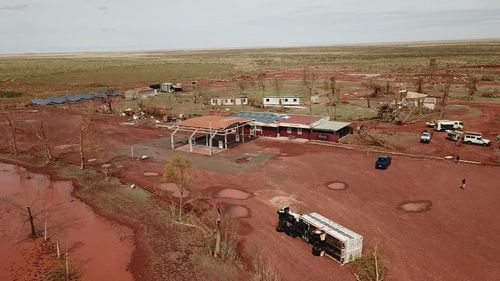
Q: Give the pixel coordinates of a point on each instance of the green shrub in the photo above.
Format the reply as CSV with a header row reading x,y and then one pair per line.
x,y
10,94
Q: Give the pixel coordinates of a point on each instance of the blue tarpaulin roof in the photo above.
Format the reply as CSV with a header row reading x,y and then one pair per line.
x,y
70,98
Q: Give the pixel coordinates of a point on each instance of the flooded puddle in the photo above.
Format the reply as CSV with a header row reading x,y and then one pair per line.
x,y
336,185
235,211
98,248
415,206
150,174
232,193
242,160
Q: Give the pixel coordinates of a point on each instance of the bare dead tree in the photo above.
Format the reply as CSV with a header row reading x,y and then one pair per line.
x,y
374,86
446,94
42,135
420,84
13,133
387,88
108,99
333,97
277,85
32,224
261,84
83,129
217,234
309,79
471,86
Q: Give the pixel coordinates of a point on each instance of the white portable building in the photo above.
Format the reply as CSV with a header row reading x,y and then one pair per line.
x,y
277,101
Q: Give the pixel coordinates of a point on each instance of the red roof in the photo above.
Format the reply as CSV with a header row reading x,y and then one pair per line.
x,y
300,119
211,121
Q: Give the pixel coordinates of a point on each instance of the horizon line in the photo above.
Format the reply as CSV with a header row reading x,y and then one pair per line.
x,y
261,47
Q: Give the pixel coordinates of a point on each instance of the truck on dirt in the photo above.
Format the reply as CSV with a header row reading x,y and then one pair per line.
x,y
425,137
468,138
443,125
475,138
326,237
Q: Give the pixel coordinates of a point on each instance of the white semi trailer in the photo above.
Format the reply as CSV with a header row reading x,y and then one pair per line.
x,y
326,236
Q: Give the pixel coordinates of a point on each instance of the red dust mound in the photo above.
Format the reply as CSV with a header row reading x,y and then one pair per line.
x,y
415,206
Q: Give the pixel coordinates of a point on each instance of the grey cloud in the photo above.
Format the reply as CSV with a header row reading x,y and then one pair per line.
x,y
102,8
15,7
109,29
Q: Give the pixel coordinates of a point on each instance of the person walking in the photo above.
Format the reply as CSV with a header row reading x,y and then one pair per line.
x,y
457,159
463,185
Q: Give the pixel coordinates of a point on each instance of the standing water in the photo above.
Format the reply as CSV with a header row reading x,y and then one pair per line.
x,y
98,249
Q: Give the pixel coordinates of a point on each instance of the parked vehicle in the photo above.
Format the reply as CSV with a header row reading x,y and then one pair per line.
x,y
475,138
425,137
443,125
383,162
455,135
468,137
326,237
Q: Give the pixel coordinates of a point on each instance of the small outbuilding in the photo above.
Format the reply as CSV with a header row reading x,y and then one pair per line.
x,y
281,101
229,101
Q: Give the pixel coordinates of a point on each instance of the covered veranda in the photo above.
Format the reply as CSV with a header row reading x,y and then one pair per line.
x,y
210,134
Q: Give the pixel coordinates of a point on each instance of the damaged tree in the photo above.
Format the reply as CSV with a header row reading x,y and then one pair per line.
x,y
42,135
333,97
107,99
309,79
370,267
261,83
179,172
471,85
13,132
446,94
375,88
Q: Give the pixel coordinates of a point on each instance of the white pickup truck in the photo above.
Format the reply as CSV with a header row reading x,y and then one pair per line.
x,y
472,138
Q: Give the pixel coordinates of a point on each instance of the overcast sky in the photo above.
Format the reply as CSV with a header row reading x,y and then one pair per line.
x,y
109,25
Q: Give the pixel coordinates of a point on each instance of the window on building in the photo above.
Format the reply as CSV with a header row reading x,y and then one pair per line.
x,y
286,100
267,100
288,130
299,131
294,100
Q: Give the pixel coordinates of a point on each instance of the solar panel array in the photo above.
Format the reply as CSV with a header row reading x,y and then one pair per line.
x,y
263,117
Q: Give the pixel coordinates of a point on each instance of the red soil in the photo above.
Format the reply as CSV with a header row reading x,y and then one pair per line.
x,y
98,249
456,239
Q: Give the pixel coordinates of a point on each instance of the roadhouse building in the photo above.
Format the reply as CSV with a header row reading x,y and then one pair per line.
x,y
268,124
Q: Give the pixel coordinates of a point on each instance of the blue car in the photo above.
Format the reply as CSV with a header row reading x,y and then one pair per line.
x,y
383,162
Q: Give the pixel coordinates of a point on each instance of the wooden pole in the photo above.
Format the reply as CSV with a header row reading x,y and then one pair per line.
x,y
58,250
33,232
67,266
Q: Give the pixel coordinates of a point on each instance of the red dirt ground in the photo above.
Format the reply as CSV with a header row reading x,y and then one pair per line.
x,y
456,239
